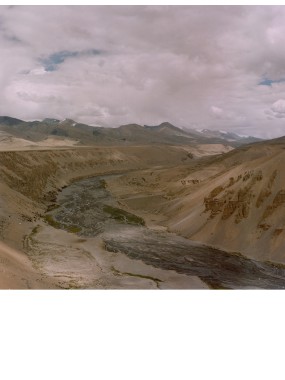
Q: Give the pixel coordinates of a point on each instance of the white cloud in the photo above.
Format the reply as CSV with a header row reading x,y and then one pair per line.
x,y
217,111
279,107
152,64
38,71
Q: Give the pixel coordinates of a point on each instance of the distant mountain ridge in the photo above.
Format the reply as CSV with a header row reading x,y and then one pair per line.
x,y
7,120
229,136
164,133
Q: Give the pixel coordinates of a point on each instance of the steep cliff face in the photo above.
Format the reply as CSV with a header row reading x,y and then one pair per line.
x,y
240,206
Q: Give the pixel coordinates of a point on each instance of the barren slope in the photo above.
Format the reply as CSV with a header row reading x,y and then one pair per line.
x,y
235,201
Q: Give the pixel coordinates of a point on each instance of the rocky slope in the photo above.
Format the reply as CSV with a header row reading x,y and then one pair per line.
x,y
237,202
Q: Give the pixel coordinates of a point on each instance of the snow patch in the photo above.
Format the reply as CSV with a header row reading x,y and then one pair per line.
x,y
245,136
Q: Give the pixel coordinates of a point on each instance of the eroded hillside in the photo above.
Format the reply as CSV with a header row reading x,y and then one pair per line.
x,y
235,201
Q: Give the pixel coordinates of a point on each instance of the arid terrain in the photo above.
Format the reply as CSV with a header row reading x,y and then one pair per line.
x,y
203,214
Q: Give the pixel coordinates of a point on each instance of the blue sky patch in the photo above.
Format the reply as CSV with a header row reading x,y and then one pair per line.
x,y
268,82
51,62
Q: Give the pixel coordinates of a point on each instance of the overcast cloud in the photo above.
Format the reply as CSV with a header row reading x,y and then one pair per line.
x,y
198,67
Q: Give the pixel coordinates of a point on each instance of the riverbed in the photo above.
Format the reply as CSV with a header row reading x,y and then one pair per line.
x,y
88,209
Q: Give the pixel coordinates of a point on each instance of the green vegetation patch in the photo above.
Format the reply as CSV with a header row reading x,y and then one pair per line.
x,y
123,216
54,223
73,229
34,230
50,220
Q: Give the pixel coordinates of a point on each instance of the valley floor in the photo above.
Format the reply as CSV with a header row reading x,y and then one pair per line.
x,y
163,185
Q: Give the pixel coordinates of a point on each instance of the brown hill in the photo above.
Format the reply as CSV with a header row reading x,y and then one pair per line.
x,y
237,202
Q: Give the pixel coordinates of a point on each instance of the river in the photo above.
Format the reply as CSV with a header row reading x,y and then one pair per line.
x,y
88,209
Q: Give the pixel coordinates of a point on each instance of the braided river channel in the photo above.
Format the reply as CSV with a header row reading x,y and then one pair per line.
x,y
88,209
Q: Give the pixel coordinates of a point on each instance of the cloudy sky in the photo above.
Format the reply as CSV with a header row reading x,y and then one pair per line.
x,y
198,67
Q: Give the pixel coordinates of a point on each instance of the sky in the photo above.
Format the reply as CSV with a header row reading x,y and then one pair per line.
x,y
214,67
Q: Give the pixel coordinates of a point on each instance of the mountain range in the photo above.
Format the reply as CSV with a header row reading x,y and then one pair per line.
x,y
83,134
